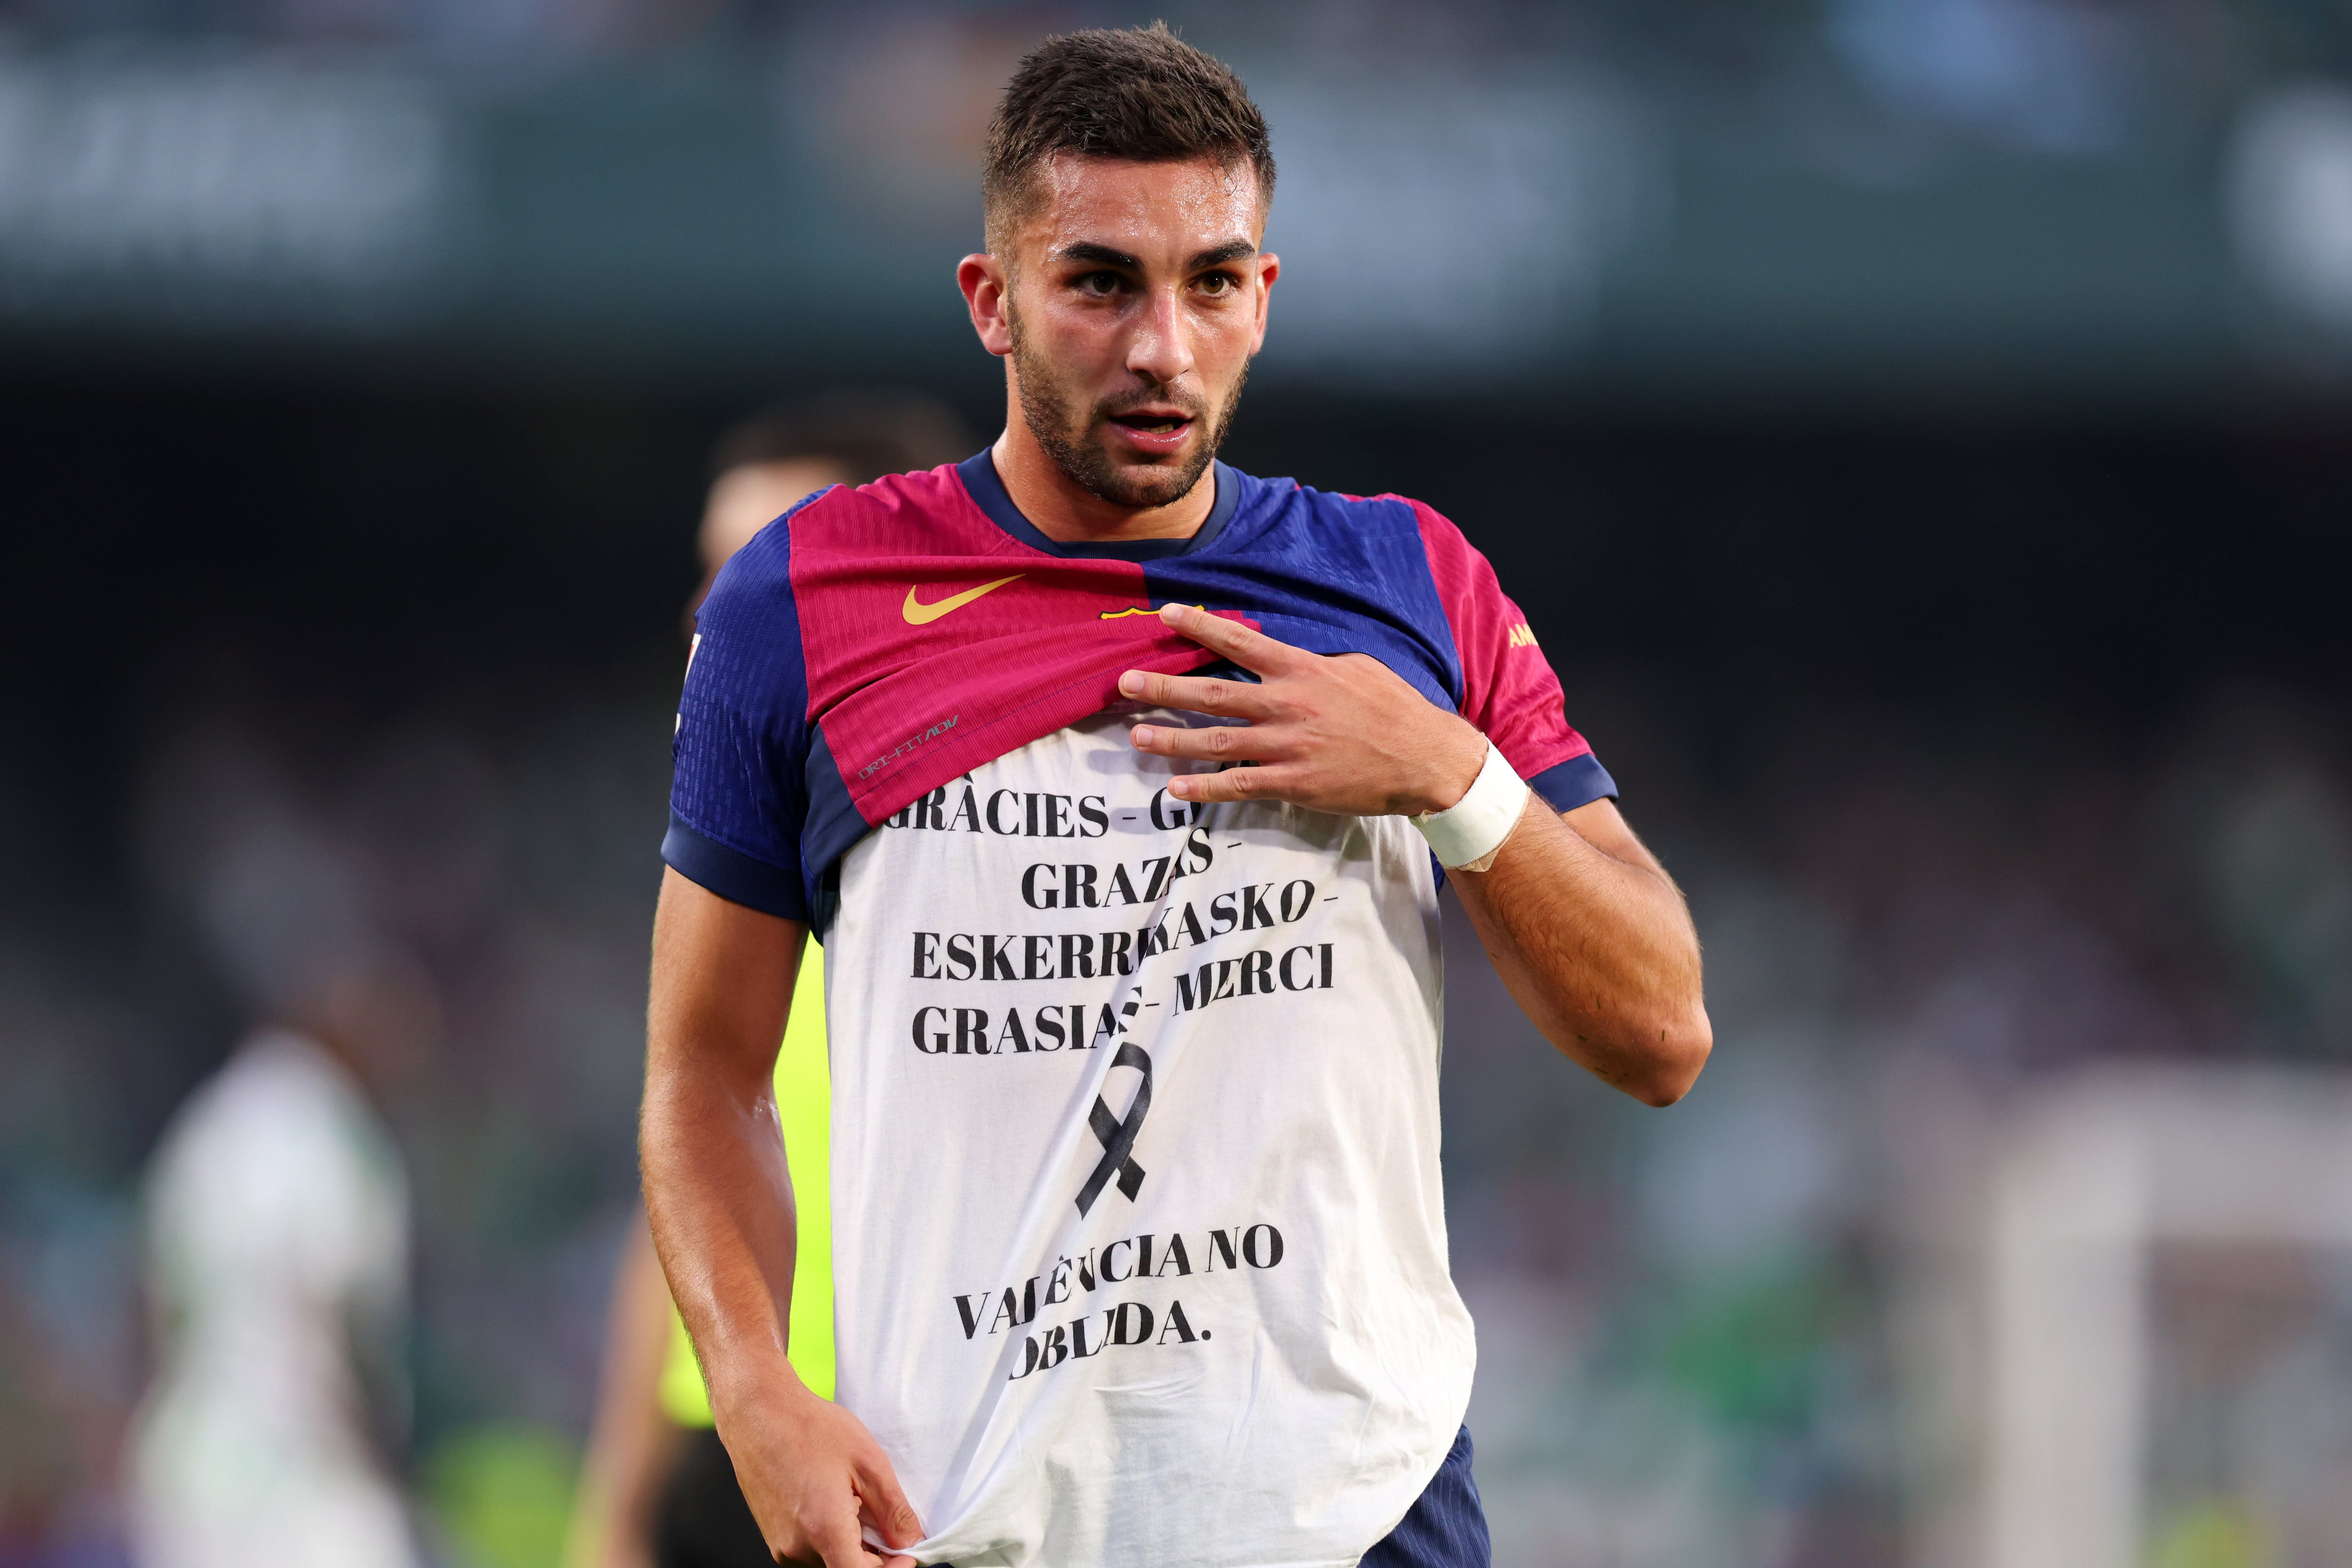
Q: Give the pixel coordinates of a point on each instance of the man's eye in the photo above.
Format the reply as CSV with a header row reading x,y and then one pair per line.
x,y
1099,283
1217,283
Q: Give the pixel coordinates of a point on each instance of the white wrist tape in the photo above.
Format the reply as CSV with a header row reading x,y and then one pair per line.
x,y
1466,835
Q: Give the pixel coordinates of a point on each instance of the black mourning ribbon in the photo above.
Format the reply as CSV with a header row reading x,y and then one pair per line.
x,y
1117,1137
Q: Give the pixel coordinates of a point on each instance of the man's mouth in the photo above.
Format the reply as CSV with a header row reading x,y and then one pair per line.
x,y
1153,435
1153,423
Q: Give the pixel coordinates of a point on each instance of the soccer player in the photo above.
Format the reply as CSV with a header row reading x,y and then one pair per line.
x,y
1113,779
278,1239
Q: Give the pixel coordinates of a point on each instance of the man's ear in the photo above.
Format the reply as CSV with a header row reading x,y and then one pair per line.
x,y
1269,269
985,290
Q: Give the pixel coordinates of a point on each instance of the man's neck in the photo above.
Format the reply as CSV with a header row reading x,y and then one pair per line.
x,y
1068,513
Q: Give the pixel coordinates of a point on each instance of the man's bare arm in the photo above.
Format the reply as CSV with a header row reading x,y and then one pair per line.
x,y
1586,928
1595,944
719,1201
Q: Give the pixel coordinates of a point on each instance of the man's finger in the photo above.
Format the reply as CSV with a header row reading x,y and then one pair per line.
x,y
1198,694
882,1502
1254,651
839,1545
1234,784
1214,743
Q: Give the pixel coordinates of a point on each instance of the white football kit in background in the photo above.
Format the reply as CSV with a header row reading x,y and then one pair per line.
x,y
277,1227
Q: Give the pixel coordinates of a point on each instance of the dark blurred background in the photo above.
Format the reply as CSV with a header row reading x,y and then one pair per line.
x,y
1920,432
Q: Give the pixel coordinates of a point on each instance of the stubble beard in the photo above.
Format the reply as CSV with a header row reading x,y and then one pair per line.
x,y
1061,420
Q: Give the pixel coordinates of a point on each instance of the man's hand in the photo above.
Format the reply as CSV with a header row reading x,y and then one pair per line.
x,y
1339,734
1587,932
814,1475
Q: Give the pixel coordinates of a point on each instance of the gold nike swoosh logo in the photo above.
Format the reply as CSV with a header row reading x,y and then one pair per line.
x,y
919,613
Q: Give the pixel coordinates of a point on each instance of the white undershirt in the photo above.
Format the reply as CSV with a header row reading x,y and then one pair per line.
x,y
1287,1378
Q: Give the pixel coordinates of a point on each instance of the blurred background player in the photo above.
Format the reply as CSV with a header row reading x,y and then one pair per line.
x,y
763,464
657,1487
277,1241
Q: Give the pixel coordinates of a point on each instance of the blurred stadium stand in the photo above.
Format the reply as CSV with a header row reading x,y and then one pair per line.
x,y
1919,431
2113,204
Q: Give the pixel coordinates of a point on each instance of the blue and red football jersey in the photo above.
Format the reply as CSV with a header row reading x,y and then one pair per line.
x,y
1133,1134
876,642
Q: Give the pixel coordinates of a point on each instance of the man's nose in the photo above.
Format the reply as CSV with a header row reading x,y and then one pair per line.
x,y
1161,349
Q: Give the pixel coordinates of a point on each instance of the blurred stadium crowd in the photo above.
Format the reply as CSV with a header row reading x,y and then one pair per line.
x,y
2057,197
1934,508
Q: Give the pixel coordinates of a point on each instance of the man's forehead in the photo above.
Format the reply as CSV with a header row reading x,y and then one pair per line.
x,y
1186,206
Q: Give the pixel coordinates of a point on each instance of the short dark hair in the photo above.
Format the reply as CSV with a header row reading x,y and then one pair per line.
x,y
1130,92
866,434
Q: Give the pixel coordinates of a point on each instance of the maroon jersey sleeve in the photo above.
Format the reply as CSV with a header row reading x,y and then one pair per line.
x,y
1509,690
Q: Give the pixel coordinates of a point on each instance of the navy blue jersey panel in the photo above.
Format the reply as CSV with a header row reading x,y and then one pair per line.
x,y
1446,1527
734,876
1327,573
1579,781
742,721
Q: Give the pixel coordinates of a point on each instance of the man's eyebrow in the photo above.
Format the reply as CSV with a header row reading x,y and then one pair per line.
x,y
1232,250
1090,253
1099,255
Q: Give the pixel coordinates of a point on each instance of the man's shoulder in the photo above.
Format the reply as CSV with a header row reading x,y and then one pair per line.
x,y
926,512
1360,540
1288,503
921,513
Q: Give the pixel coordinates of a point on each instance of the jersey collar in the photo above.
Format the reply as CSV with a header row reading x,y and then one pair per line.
x,y
987,491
